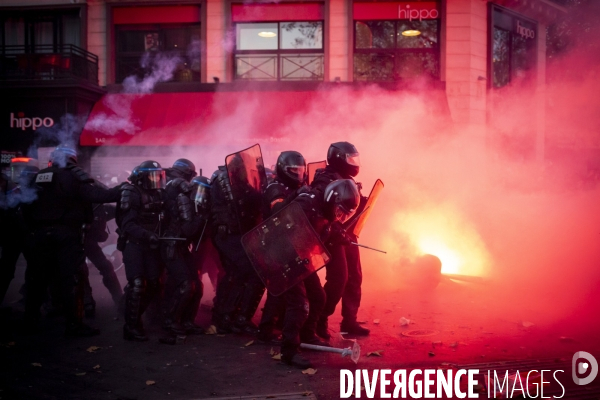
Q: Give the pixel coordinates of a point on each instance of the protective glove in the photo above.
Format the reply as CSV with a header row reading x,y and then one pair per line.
x,y
338,236
152,239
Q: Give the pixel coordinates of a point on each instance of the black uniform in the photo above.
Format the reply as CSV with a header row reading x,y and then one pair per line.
x,y
184,289
240,290
12,234
343,273
64,204
302,304
95,235
139,217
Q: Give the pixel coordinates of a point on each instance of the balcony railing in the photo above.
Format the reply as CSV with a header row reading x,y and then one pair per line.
x,y
47,62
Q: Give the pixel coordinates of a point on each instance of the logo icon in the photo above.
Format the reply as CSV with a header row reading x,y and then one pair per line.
x,y
582,367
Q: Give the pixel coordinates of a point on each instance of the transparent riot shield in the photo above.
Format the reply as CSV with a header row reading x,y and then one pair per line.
x,y
312,168
356,225
248,180
284,249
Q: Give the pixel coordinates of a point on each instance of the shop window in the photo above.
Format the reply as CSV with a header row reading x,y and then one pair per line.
x,y
286,51
137,45
513,47
396,50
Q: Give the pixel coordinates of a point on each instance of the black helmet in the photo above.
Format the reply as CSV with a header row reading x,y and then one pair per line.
x,y
201,191
183,168
291,169
341,200
63,155
343,157
150,175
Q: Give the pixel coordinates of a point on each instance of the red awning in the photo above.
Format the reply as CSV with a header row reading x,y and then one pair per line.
x,y
207,118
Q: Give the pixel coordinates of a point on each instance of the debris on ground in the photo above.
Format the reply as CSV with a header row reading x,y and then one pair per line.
x,y
36,364
431,354
249,343
92,349
211,330
527,324
404,321
309,371
80,373
566,339
378,353
150,383
376,321
97,366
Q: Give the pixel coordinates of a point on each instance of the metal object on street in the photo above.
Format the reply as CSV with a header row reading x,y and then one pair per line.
x,y
353,352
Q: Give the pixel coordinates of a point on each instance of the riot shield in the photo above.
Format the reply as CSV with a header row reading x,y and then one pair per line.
x,y
284,249
248,180
312,168
364,210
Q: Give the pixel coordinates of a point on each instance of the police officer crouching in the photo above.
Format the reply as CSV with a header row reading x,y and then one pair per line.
x,y
64,205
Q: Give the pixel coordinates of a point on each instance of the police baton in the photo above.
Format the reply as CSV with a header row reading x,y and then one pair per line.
x,y
367,247
202,234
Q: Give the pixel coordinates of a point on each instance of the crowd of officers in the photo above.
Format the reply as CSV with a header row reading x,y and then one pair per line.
x,y
163,215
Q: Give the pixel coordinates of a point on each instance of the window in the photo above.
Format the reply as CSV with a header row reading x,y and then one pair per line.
x,y
286,51
136,42
41,31
396,50
513,47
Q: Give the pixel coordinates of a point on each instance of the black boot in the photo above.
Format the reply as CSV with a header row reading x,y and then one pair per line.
x,y
323,328
244,327
297,360
224,324
134,307
176,306
190,312
353,328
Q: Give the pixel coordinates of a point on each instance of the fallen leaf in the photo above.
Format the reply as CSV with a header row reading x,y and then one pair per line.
x,y
276,356
150,383
36,364
310,371
97,366
249,343
80,374
377,353
376,321
93,349
211,330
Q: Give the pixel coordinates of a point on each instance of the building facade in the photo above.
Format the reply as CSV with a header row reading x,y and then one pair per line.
x,y
468,50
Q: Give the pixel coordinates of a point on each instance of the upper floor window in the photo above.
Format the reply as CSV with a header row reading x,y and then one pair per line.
x,y
41,30
393,42
278,41
137,44
143,33
279,51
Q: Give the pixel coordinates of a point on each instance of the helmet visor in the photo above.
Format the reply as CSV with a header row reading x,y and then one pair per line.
x,y
156,179
353,159
297,172
342,215
201,196
16,171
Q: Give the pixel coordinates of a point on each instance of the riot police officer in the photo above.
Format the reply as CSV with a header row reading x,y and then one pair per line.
x,y
14,190
183,285
289,180
139,217
239,292
64,204
325,211
344,272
